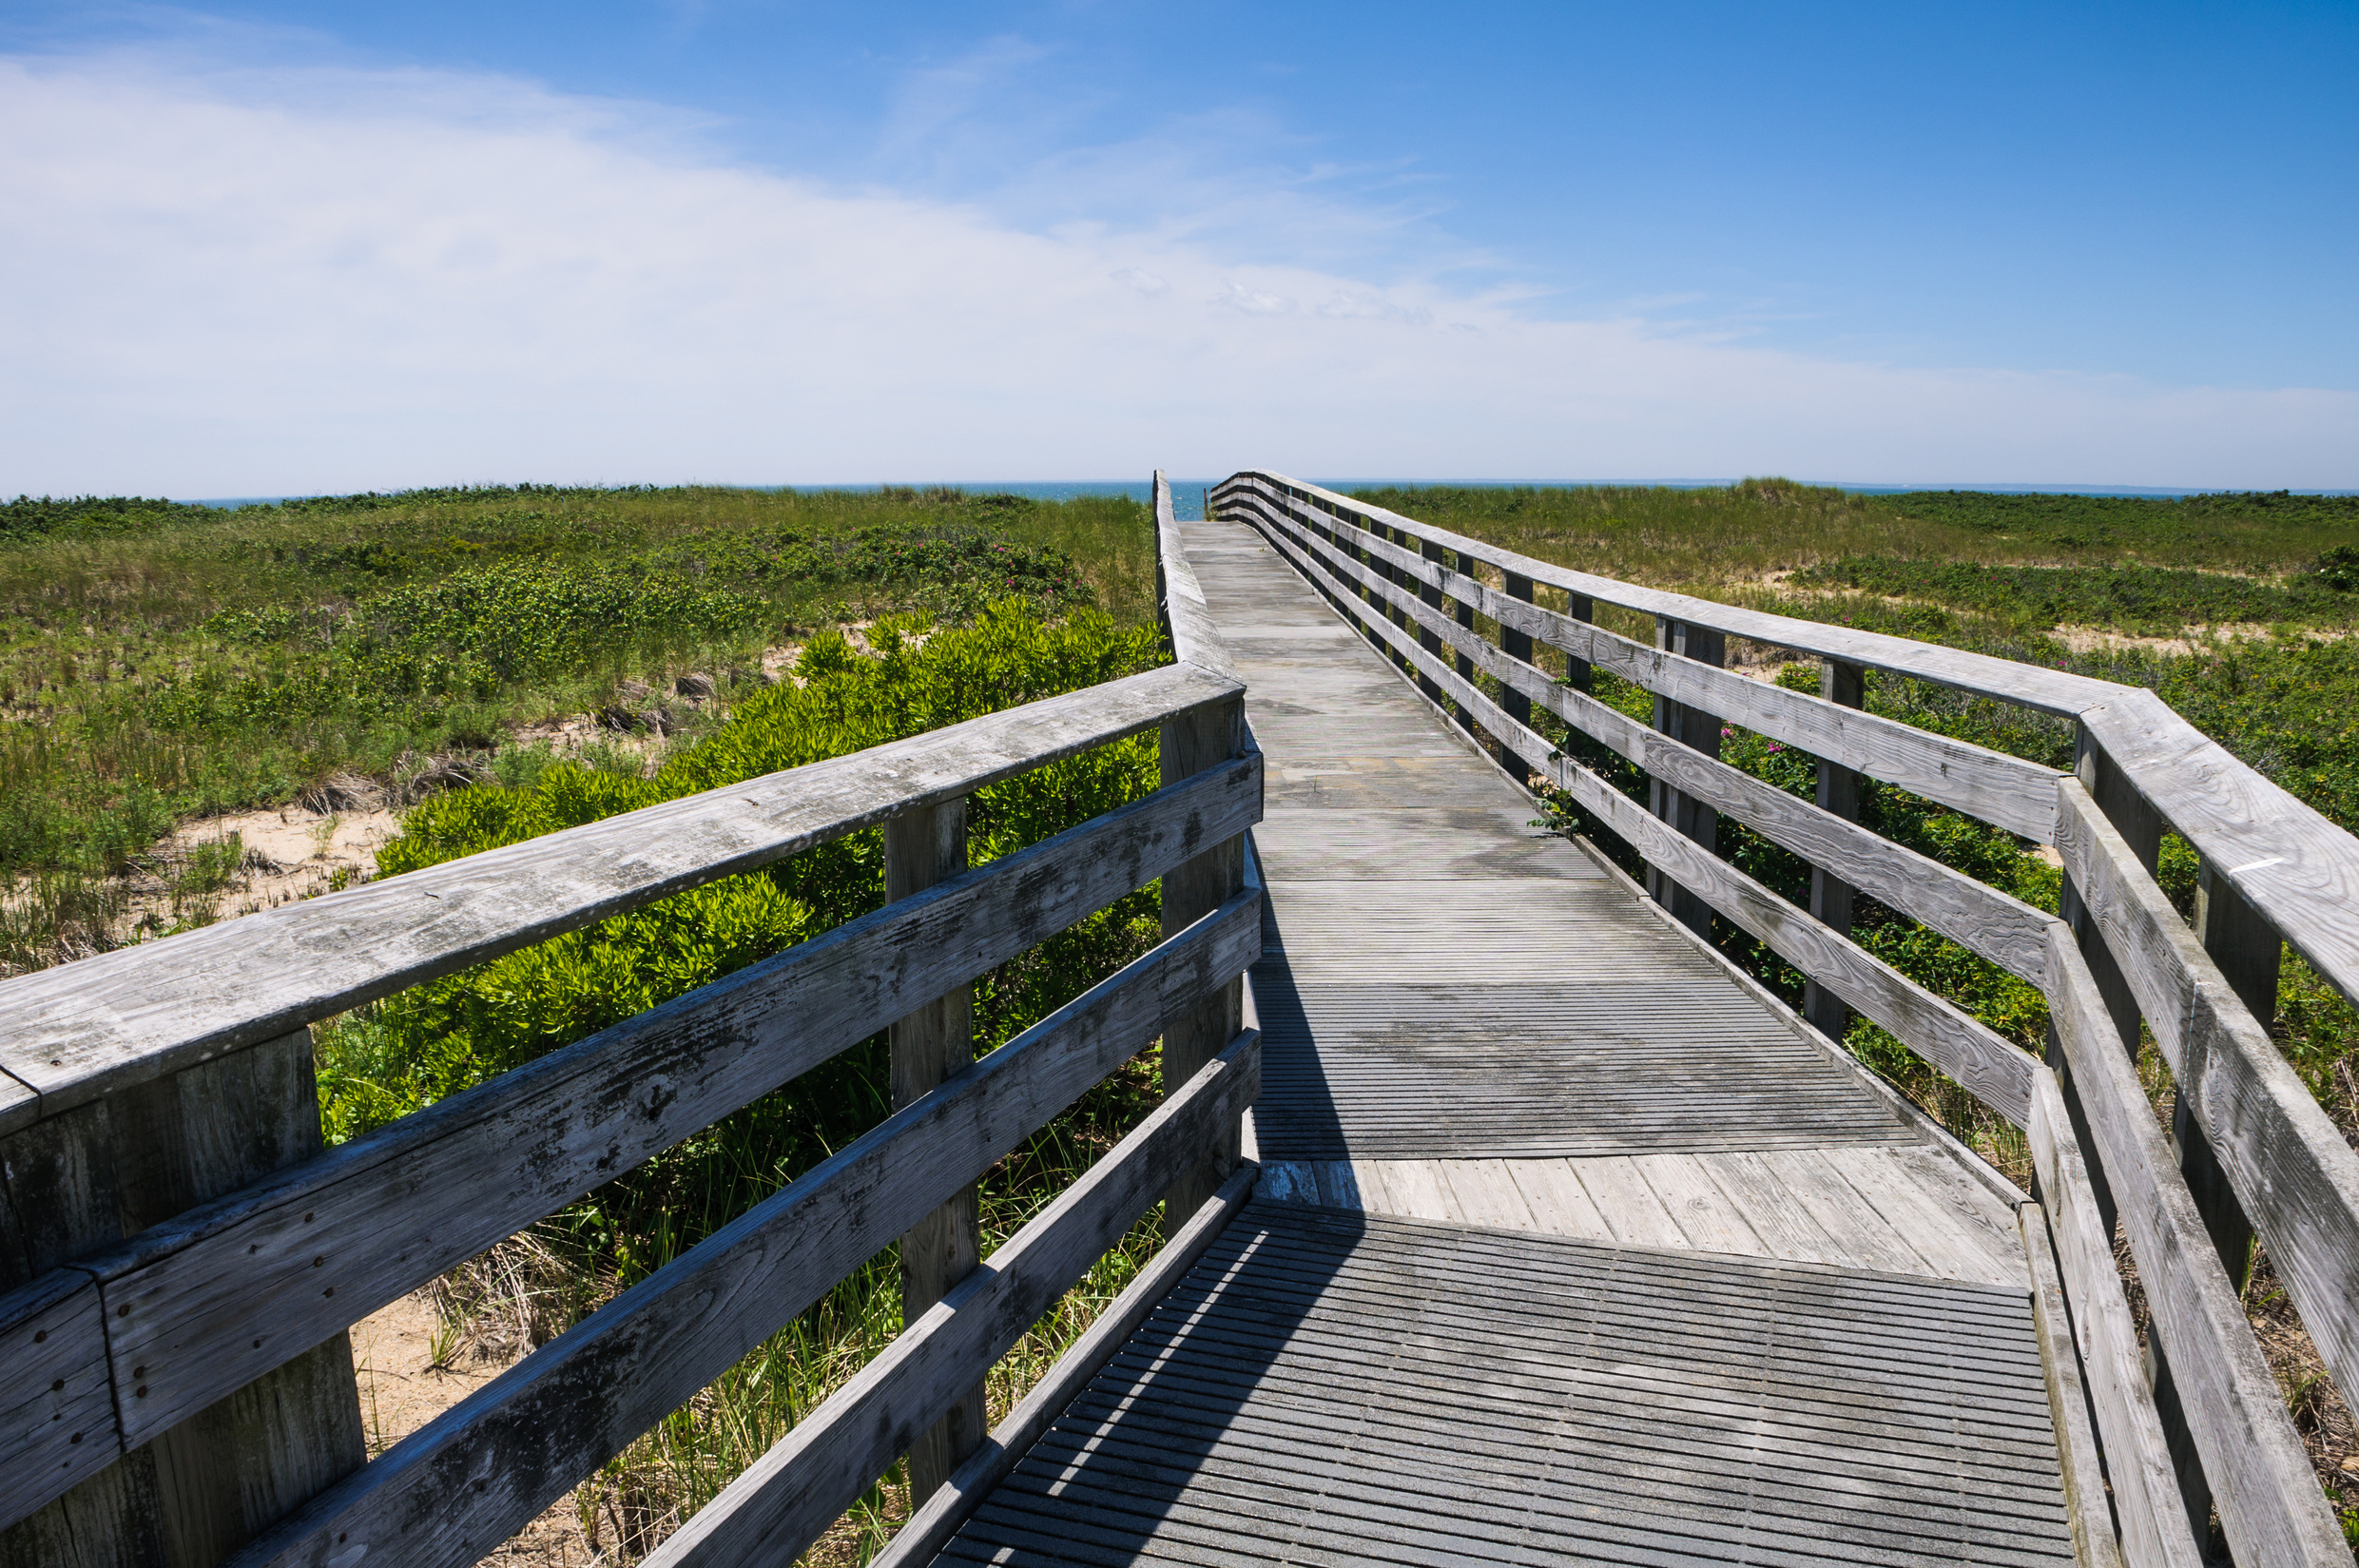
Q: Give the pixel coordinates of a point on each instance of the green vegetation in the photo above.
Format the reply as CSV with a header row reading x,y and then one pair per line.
x,y
161,661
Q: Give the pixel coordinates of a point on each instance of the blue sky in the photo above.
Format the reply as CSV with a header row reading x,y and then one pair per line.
x,y
308,246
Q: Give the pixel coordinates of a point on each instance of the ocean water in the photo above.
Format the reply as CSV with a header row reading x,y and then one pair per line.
x,y
1188,494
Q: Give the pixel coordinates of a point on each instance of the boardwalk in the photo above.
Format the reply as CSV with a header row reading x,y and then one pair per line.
x,y
1568,1245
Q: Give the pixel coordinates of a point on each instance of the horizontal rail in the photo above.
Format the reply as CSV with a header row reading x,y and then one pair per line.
x,y
75,1032
2296,1176
2154,1532
937,1518
1990,1068
2076,1449
453,1491
214,1298
2003,790
2295,868
2261,1479
789,1496
2004,930
1195,638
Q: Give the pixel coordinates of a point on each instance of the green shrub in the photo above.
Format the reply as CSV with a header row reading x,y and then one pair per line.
x,y
457,1032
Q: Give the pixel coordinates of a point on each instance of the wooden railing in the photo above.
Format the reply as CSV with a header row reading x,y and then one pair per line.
x,y
181,1259
2194,1421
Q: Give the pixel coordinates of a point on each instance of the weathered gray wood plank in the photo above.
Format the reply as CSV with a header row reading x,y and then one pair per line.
x,y
2294,866
1486,1193
2260,1477
85,1029
1626,1202
1703,1213
1830,896
389,1212
1786,1229
785,1499
531,1433
2288,861
1862,1237
1954,1247
57,1410
928,1046
2086,1503
1560,1205
939,1517
2138,1457
2297,1178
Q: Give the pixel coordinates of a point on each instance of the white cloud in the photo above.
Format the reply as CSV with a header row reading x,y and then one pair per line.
x,y
330,280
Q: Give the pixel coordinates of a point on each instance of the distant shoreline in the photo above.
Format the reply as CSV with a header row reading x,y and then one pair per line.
x,y
1186,495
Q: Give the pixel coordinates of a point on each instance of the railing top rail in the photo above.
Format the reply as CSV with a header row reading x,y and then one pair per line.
x,y
1194,639
72,1034
2298,869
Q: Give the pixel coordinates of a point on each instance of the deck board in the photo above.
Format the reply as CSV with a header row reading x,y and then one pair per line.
x,y
1348,1388
1567,1245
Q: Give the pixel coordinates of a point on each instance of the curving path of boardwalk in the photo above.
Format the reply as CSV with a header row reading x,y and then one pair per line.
x,y
1569,1245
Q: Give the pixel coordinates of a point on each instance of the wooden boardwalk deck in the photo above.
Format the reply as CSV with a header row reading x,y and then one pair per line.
x,y
1569,1245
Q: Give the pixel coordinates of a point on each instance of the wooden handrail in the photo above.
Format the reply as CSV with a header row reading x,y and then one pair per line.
x,y
83,1030
451,1492
2298,1178
2290,863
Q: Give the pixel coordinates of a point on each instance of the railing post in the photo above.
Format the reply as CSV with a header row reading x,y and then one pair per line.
x,y
2248,951
1202,737
1694,727
1517,645
1579,607
196,1493
1465,616
1830,896
2140,828
921,847
1427,638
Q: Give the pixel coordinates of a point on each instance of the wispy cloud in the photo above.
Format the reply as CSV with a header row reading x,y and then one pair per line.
x,y
326,276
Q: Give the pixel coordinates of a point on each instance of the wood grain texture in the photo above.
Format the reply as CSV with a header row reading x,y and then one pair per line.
x,y
927,1046
938,1519
85,1029
1994,925
2096,1543
227,1471
1202,738
2153,1530
789,1496
2295,1175
2260,1477
462,1484
2286,861
57,1408
384,1213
